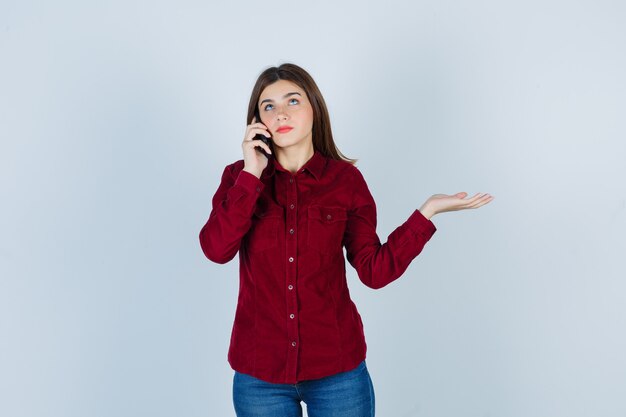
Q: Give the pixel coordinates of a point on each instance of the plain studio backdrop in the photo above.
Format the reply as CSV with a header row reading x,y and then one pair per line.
x,y
117,119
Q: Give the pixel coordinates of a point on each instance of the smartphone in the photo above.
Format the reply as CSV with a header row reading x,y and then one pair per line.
x,y
264,138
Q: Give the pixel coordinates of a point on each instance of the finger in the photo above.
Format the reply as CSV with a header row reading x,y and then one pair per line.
x,y
254,142
256,149
255,131
266,148
257,126
478,196
482,201
487,200
471,203
472,200
260,144
254,125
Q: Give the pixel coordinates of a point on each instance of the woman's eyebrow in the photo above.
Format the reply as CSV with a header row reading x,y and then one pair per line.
x,y
285,96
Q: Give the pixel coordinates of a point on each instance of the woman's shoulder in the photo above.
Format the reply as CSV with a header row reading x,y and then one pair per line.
x,y
341,166
345,169
231,171
234,168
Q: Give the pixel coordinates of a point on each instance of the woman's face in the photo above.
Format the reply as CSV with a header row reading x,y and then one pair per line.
x,y
284,105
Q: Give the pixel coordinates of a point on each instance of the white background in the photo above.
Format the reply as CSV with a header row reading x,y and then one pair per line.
x,y
117,119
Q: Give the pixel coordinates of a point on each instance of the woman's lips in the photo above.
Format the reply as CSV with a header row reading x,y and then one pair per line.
x,y
284,129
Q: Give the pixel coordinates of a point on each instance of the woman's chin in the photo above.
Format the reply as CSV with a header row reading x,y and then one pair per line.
x,y
285,143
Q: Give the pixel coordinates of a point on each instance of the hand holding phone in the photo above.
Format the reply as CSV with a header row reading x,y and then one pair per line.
x,y
266,141
262,137
254,144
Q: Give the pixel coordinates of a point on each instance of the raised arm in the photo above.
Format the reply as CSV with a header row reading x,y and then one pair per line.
x,y
231,216
234,200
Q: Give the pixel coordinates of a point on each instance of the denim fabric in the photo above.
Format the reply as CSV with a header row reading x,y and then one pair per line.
x,y
347,394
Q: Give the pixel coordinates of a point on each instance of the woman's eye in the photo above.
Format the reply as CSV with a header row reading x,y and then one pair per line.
x,y
294,99
266,107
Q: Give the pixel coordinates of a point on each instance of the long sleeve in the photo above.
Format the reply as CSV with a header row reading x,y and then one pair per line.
x,y
295,320
230,218
379,264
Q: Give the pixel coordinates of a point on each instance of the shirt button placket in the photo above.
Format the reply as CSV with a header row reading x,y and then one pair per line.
x,y
292,270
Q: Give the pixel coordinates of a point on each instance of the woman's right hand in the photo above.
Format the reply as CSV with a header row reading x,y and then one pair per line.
x,y
254,161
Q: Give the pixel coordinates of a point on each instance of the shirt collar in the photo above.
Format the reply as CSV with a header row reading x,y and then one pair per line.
x,y
315,166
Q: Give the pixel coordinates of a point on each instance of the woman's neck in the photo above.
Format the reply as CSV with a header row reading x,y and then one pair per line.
x,y
292,159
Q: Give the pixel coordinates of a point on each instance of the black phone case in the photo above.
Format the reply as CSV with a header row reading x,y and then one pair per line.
x,y
264,138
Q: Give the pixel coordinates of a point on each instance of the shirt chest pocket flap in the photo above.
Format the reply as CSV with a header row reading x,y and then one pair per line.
x,y
326,226
265,229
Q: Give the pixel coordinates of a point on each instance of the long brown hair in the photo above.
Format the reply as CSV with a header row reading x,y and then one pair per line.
x,y
322,134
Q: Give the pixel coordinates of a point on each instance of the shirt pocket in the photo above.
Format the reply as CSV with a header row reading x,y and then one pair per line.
x,y
265,229
326,226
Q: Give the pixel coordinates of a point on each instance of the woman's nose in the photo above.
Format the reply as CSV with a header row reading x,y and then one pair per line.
x,y
281,114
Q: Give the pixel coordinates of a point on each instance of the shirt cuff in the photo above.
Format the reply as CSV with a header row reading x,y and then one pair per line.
x,y
249,182
420,225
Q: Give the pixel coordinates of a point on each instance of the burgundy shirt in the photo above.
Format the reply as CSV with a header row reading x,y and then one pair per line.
x,y
295,320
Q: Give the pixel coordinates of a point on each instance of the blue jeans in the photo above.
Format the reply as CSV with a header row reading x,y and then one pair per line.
x,y
346,394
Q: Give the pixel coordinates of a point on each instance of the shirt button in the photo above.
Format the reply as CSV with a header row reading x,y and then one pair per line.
x,y
258,189
291,180
329,217
293,344
291,231
290,287
291,206
291,316
290,259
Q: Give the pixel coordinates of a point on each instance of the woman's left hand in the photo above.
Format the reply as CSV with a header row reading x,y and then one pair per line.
x,y
440,203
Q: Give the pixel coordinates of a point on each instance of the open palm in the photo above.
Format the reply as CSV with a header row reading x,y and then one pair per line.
x,y
441,203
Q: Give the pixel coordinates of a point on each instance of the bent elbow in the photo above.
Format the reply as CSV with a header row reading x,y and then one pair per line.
x,y
217,257
214,252
375,285
376,282
377,277
221,259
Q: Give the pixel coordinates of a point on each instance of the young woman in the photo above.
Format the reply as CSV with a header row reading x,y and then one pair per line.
x,y
289,208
